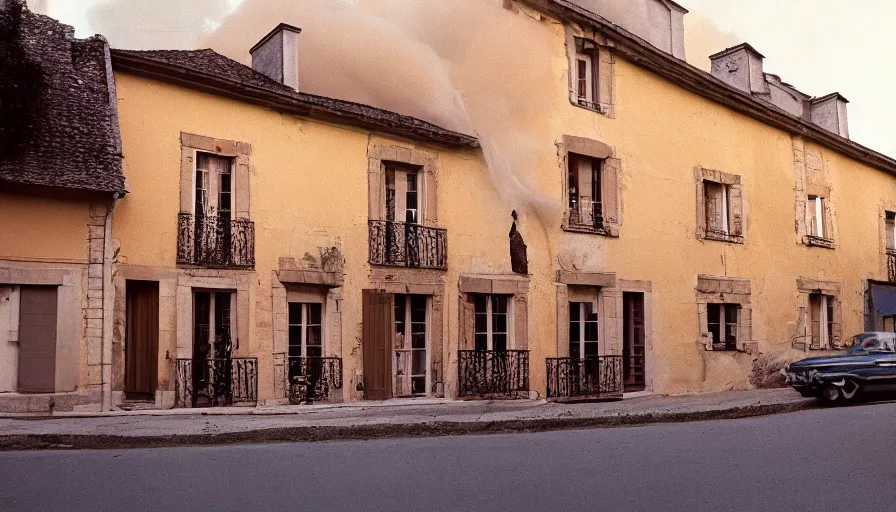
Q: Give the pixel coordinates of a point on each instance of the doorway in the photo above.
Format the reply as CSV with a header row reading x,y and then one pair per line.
x,y
37,339
9,349
142,340
633,343
411,332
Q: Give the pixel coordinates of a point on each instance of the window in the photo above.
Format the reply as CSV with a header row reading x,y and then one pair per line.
x,y
585,206
402,195
213,325
890,226
213,186
586,73
411,322
722,325
491,322
815,217
824,327
305,333
716,197
583,330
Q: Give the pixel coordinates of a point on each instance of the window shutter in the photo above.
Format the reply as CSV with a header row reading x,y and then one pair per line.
x,y
610,194
735,210
890,227
584,187
828,221
467,319
815,319
713,206
604,77
811,221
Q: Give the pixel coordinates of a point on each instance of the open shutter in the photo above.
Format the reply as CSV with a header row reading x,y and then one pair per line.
x,y
467,321
713,206
811,219
828,225
815,320
735,210
610,195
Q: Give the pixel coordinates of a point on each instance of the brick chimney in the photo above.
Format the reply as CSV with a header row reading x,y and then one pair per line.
x,y
740,67
277,55
829,112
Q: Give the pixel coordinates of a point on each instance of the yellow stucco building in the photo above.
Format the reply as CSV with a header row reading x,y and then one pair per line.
x,y
277,246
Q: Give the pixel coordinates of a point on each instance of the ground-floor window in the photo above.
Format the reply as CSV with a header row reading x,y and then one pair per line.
x,y
305,332
722,325
823,320
583,330
212,324
492,323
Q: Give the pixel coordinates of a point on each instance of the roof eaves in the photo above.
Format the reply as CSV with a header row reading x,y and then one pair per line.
x,y
703,84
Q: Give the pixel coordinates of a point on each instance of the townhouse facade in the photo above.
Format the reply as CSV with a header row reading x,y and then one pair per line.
x,y
280,247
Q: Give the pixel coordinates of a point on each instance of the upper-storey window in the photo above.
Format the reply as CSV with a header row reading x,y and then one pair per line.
x,y
815,217
719,206
402,197
890,227
590,71
585,205
214,186
591,186
586,73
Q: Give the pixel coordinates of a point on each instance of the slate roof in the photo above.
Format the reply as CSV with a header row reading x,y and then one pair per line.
x,y
67,135
212,71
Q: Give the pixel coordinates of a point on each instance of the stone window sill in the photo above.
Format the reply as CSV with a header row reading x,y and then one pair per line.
x,y
749,347
600,108
605,230
723,237
817,241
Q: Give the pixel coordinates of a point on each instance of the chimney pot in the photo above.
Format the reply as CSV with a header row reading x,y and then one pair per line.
x,y
277,55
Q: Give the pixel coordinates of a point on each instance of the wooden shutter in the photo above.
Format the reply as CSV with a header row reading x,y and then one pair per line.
x,y
713,198
811,219
828,221
890,228
610,195
735,210
37,339
815,306
377,322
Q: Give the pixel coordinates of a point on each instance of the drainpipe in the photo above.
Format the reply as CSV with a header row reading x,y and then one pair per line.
x,y
108,304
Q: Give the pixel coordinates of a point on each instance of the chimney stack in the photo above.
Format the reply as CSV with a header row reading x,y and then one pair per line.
x,y
277,55
829,112
740,67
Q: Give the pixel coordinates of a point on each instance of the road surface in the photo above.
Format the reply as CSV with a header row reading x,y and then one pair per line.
x,y
832,459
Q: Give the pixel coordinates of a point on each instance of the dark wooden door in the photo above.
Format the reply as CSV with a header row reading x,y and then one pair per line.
x,y
142,338
37,339
375,344
633,345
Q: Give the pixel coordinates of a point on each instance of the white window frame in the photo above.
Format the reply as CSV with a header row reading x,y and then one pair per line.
x,y
890,225
826,302
408,330
490,346
303,327
212,192
212,320
589,78
400,176
724,222
723,324
816,203
582,323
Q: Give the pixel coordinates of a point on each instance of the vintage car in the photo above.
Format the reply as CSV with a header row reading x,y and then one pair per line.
x,y
869,365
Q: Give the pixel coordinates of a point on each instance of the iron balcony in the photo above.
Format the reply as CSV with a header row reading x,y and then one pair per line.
x,y
217,382
215,241
597,377
401,244
311,379
493,374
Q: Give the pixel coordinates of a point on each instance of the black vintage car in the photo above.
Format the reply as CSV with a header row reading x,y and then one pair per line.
x,y
868,366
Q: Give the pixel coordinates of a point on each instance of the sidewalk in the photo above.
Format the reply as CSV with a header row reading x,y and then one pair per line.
x,y
365,420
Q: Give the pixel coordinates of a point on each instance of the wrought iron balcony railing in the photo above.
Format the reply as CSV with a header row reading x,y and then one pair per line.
x,y
891,265
401,244
591,377
493,374
217,382
587,217
311,379
217,242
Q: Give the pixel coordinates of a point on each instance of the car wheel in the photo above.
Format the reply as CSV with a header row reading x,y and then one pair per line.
x,y
830,394
850,390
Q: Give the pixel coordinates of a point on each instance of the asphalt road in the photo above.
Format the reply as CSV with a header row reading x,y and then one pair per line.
x,y
832,459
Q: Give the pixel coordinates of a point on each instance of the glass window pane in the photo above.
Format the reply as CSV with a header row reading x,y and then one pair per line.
x,y
418,308
590,312
591,331
481,342
499,304
574,331
418,364
574,351
295,335
418,386
295,313
481,324
314,352
499,342
418,340
314,314
314,336
479,303
590,349
295,351
574,311
499,323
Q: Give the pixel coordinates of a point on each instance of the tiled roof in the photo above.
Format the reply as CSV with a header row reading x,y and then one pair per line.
x,y
69,136
200,66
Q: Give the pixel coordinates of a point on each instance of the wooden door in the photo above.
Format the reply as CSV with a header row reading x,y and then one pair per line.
x,y
633,345
142,338
376,344
37,339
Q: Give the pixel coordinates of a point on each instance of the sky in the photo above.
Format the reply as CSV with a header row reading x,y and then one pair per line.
x,y
818,46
